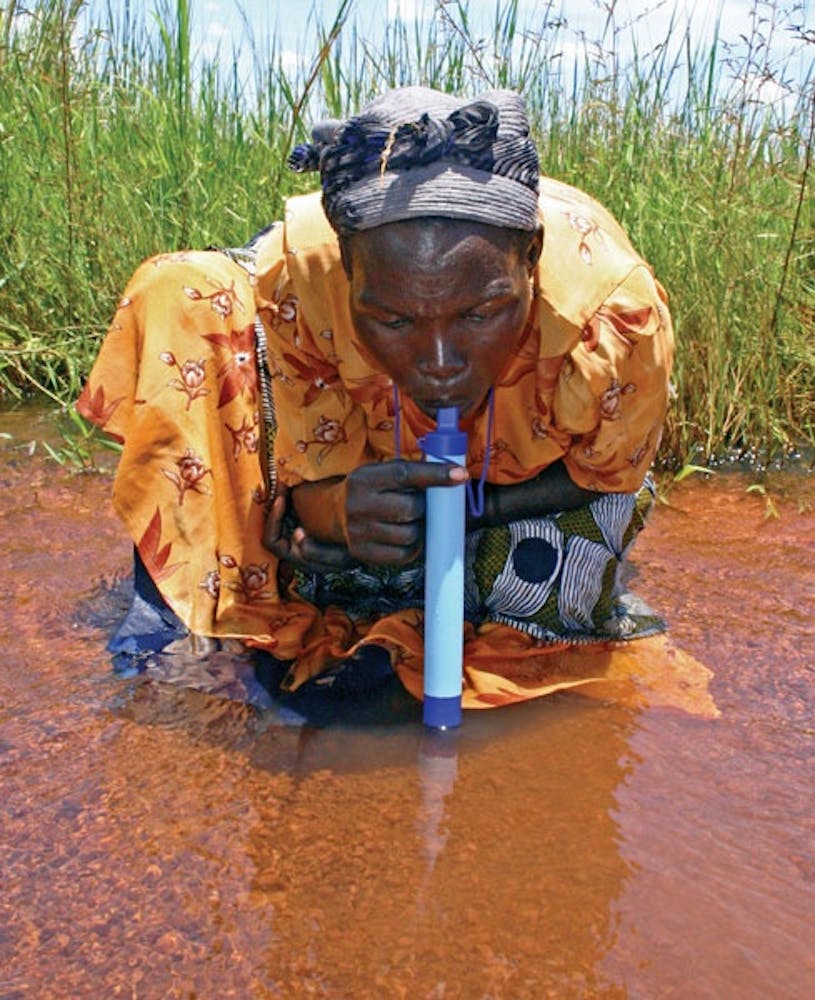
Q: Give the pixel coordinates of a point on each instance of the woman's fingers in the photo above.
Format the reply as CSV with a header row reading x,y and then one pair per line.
x,y
404,475
320,557
385,506
299,549
273,538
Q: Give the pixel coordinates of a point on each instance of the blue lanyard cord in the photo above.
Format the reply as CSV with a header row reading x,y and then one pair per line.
x,y
475,495
397,420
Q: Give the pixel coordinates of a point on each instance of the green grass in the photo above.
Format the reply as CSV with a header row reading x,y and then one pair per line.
x,y
117,142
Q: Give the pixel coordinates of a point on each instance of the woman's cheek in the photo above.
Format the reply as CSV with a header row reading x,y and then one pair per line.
x,y
374,349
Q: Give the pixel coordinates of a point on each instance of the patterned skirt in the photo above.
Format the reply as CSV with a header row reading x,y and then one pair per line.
x,y
556,578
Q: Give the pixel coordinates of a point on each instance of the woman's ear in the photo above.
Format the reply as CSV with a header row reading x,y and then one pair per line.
x,y
534,248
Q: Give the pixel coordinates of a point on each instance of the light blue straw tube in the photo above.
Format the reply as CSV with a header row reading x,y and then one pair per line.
x,y
444,578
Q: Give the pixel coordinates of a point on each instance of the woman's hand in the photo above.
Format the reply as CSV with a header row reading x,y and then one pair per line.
x,y
375,513
298,548
385,506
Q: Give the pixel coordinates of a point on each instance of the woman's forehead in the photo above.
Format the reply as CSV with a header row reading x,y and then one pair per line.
x,y
438,228
438,244
433,269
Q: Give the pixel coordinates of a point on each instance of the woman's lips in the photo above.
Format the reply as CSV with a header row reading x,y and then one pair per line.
x,y
431,407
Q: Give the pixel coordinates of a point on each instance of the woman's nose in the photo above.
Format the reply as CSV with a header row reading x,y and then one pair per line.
x,y
442,358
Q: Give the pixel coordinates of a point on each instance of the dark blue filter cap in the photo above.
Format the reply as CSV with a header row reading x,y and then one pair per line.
x,y
446,439
441,713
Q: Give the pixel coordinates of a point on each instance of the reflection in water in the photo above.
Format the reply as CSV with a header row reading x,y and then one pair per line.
x,y
438,770
157,841
496,884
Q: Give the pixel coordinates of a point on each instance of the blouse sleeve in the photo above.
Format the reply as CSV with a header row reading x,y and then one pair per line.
x,y
612,392
320,431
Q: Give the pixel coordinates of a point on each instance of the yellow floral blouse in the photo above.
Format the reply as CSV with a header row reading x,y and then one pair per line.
x,y
176,381
589,382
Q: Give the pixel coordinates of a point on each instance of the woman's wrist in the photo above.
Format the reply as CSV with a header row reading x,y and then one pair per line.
x,y
551,491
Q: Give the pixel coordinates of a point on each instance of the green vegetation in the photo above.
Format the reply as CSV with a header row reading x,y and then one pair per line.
x,y
116,142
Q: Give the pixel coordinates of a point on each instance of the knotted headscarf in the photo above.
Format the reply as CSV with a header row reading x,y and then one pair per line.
x,y
416,152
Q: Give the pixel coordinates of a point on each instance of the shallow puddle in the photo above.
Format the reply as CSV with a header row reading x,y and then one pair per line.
x,y
162,842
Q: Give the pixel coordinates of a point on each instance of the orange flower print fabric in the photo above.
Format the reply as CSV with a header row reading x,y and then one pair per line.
x,y
587,384
176,380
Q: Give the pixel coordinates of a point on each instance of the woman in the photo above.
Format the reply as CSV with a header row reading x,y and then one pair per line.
x,y
434,268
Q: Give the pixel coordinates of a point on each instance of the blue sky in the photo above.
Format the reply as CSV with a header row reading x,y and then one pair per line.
x,y
219,23
221,27
221,20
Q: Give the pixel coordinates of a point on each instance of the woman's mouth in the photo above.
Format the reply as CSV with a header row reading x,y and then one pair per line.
x,y
431,407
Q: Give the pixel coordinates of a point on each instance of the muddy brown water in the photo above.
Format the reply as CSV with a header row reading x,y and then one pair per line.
x,y
157,841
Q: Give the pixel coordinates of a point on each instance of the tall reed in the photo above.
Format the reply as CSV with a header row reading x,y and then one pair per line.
x,y
117,141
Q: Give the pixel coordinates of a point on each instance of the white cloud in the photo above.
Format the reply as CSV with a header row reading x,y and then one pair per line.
x,y
215,41
408,10
761,90
216,30
291,61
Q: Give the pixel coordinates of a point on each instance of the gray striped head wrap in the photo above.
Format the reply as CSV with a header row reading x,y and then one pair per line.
x,y
416,152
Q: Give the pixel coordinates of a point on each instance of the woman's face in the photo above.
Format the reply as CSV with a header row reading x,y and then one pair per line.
x,y
441,304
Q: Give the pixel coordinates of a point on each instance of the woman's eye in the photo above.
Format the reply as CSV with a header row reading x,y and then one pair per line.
x,y
398,323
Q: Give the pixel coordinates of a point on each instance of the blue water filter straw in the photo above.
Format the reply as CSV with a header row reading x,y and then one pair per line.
x,y
445,515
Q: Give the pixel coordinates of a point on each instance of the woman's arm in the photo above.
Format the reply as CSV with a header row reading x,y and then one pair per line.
x,y
550,491
376,514
376,511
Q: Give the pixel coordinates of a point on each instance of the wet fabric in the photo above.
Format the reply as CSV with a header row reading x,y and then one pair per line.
x,y
151,641
178,382
148,626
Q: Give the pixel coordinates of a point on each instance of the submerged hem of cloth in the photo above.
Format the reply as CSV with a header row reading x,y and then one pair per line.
x,y
150,627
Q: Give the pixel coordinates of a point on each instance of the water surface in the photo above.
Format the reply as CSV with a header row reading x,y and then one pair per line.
x,y
163,842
